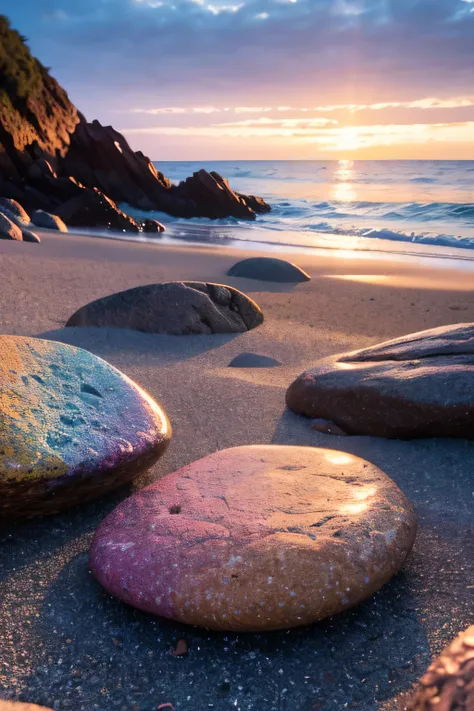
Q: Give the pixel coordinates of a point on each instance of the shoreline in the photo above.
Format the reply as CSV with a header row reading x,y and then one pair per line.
x,y
237,243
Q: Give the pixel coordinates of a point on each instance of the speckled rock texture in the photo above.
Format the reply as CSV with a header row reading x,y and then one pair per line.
x,y
269,269
256,538
71,428
175,308
448,685
18,706
421,385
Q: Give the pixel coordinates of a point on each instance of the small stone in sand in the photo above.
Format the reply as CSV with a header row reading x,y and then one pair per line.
x,y
72,428
266,537
8,229
269,269
253,360
181,648
29,236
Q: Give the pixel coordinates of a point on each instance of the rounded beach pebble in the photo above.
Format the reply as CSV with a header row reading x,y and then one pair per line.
x,y
448,685
269,269
256,538
8,229
40,218
72,427
253,360
174,308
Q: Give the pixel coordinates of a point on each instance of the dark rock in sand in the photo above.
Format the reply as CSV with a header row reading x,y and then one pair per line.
x,y
72,428
152,226
47,221
256,538
176,308
448,685
269,269
253,360
8,229
29,236
13,210
91,208
421,385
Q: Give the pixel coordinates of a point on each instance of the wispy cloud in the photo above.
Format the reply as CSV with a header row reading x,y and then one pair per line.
x,y
327,137
179,110
423,104
282,123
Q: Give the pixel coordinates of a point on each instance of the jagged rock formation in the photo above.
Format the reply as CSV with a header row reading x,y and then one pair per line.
x,y
50,154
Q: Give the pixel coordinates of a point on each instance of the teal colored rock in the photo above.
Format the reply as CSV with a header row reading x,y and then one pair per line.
x,y
72,427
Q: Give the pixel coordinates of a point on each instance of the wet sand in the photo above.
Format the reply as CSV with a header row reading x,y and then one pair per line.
x,y
66,644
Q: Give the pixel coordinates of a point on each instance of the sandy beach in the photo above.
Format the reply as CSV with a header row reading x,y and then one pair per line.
x,y
68,645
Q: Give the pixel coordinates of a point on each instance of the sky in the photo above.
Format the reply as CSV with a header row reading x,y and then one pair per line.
x,y
265,79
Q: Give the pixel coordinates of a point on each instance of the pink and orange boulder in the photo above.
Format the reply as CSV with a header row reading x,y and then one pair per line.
x,y
256,538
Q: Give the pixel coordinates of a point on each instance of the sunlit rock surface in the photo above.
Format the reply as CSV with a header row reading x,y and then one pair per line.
x,y
176,308
71,427
256,538
421,385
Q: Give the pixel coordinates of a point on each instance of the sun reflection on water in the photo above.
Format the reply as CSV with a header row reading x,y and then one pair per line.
x,y
344,190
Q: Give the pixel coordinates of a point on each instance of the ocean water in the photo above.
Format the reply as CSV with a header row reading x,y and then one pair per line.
x,y
412,207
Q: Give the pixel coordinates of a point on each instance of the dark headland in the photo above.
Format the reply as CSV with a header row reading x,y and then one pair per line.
x,y
53,159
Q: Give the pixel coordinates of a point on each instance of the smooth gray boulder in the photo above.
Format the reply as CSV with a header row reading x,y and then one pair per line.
x,y
14,211
269,269
8,229
253,360
421,385
40,218
175,308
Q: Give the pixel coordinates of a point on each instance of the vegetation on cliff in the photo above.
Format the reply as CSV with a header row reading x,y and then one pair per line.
x,y
20,73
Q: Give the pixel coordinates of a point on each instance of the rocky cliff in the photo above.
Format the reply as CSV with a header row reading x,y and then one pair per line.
x,y
51,158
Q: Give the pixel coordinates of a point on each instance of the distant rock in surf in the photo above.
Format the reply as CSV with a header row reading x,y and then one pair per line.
x,y
152,226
